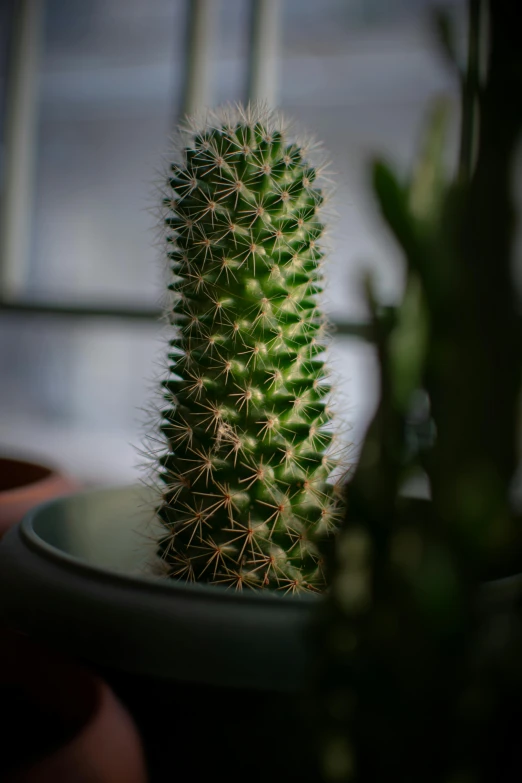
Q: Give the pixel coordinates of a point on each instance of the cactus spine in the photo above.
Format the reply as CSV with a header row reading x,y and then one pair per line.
x,y
246,499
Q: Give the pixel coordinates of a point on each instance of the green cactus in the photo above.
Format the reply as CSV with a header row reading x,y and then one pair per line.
x,y
246,494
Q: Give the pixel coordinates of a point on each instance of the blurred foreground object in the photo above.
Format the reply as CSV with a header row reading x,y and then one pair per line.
x,y
61,722
415,684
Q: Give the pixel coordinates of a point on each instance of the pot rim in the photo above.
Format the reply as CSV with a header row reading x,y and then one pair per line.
x,y
156,584
145,625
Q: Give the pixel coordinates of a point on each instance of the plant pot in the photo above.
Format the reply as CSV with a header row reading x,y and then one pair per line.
x,y
24,485
214,679
61,722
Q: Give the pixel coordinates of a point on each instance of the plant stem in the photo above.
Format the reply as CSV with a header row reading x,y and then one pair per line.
x,y
470,88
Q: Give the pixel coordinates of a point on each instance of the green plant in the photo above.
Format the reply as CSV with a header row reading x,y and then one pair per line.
x,y
246,498
413,685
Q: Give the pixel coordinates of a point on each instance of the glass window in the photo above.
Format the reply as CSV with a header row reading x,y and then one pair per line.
x,y
358,74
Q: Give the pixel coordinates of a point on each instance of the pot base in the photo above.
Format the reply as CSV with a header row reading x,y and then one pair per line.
x,y
214,679
202,732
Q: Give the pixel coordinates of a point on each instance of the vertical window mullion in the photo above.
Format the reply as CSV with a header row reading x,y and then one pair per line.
x,y
21,134
265,35
195,89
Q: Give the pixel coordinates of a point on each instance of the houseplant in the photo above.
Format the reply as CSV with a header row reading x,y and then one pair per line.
x,y
60,720
25,484
394,727
247,418
416,682
245,500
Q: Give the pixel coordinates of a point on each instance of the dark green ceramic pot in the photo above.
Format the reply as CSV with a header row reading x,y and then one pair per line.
x,y
214,679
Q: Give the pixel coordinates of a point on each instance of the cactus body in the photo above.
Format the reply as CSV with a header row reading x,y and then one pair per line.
x,y
245,497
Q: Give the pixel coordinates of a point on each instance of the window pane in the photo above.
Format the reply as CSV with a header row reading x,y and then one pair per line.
x,y
73,392
108,92
359,75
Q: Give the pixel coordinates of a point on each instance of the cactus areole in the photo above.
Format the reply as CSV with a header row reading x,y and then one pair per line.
x,y
246,495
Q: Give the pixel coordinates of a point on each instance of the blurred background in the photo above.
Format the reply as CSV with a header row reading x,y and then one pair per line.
x,y
90,91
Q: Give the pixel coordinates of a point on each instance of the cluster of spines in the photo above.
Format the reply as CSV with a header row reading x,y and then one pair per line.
x,y
246,493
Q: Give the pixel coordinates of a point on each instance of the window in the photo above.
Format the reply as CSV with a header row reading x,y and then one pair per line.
x,y
107,83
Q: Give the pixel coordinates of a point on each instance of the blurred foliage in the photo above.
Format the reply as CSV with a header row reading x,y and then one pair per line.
x,y
414,684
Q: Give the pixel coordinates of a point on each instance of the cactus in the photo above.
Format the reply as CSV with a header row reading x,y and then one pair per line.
x,y
246,498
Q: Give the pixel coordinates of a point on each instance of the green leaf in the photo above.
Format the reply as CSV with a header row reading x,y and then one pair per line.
x,y
407,345
428,179
393,200
445,34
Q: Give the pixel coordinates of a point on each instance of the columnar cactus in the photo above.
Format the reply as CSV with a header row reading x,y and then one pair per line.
x,y
246,498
